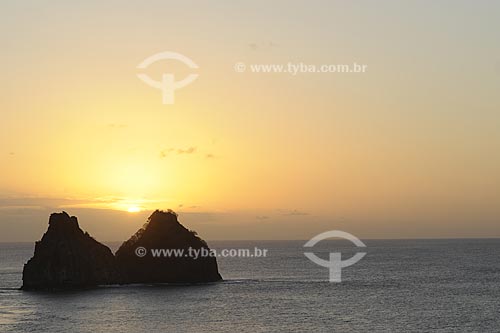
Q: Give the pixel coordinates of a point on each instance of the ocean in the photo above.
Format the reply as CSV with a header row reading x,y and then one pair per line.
x,y
399,286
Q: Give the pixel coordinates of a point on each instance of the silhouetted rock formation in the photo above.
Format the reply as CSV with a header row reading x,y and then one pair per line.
x,y
164,232
66,257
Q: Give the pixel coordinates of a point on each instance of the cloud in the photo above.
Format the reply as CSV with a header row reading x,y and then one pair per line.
x,y
113,125
179,151
164,153
262,217
189,207
295,212
42,203
255,46
210,156
189,150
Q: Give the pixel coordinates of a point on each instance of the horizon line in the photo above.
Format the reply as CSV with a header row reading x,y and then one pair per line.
x,y
297,240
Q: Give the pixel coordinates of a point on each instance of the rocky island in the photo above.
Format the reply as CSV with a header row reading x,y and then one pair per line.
x,y
67,257
162,251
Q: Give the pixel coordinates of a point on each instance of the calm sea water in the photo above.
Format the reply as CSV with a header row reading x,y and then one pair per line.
x,y
401,285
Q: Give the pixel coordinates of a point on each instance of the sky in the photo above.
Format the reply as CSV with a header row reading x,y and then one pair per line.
x,y
408,149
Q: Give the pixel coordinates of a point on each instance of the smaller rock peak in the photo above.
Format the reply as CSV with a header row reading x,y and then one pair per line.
x,y
163,217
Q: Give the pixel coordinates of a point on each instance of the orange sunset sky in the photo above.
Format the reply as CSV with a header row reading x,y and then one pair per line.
x,y
410,148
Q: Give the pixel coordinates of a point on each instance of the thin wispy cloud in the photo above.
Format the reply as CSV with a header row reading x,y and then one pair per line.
x,y
189,207
116,125
37,203
189,150
178,151
268,44
295,212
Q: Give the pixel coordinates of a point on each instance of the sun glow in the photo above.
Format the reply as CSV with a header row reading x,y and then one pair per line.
x,y
134,209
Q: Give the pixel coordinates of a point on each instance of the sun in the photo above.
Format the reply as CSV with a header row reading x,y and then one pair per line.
x,y
134,209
